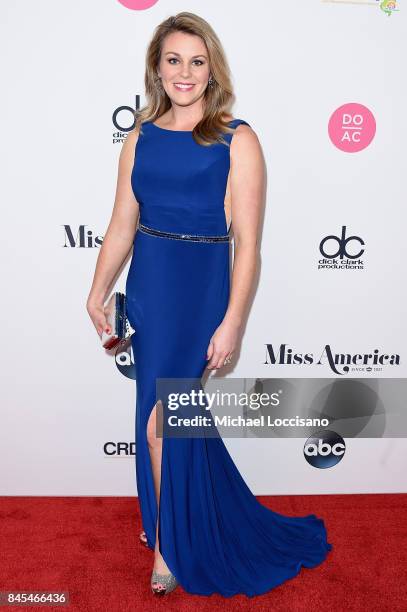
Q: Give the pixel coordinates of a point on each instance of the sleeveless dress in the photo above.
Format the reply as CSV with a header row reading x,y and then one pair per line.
x,y
214,535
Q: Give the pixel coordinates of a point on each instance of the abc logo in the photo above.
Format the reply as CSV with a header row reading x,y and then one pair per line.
x,y
324,449
124,358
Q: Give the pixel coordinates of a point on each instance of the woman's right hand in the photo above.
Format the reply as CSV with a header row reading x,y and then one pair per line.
x,y
97,314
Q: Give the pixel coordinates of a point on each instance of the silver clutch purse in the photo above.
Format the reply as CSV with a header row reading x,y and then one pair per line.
x,y
116,317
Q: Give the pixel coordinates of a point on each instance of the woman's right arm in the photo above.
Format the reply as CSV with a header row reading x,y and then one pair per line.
x,y
118,239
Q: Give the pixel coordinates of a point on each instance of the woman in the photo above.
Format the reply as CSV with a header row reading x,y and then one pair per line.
x,y
187,169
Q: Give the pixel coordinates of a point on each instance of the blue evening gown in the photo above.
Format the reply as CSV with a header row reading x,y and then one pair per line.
x,y
214,535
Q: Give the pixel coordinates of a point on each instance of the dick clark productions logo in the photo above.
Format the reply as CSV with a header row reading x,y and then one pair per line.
x,y
341,245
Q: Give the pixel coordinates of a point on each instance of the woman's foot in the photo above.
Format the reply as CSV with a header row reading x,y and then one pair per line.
x,y
162,581
161,584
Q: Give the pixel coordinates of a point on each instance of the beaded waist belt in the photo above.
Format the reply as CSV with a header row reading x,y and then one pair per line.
x,y
174,236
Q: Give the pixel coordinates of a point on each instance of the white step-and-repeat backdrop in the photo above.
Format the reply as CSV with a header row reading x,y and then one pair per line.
x,y
321,82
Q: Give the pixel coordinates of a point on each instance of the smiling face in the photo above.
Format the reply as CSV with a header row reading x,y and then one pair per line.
x,y
184,67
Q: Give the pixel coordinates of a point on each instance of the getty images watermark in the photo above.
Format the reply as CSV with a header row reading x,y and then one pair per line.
x,y
198,400
282,408
232,408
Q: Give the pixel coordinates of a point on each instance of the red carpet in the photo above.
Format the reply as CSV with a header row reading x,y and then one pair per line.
x,y
89,547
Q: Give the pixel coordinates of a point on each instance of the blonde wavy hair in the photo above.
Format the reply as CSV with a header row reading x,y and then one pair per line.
x,y
217,99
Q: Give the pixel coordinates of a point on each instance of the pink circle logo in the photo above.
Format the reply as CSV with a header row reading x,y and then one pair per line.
x,y
352,127
138,5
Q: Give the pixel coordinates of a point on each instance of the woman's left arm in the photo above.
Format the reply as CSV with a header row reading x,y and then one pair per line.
x,y
247,186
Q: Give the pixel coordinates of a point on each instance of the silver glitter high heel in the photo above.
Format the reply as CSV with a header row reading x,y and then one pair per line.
x,y
168,580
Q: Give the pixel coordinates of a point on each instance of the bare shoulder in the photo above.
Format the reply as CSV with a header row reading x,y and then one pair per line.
x,y
245,141
244,128
129,146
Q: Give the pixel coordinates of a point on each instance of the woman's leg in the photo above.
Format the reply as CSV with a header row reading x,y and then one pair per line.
x,y
155,449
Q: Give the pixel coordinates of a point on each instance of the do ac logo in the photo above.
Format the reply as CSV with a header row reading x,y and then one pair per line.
x,y
324,449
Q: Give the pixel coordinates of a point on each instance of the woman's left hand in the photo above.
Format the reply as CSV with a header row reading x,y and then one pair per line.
x,y
222,345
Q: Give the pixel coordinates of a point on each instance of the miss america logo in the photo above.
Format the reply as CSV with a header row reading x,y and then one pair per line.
x,y
340,363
